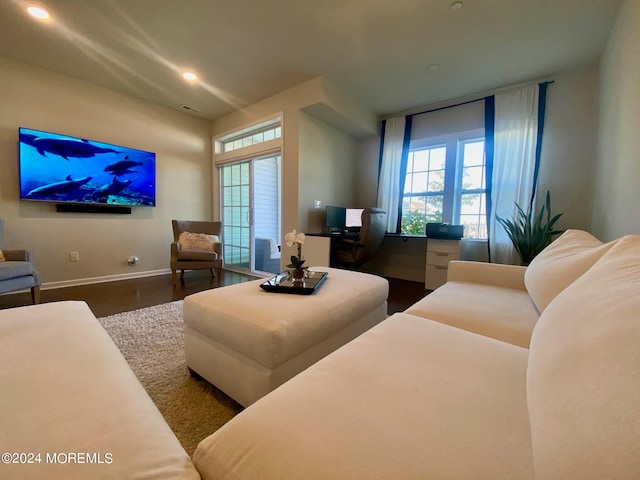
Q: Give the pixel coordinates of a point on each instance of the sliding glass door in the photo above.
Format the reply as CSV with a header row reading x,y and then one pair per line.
x,y
236,215
251,214
266,214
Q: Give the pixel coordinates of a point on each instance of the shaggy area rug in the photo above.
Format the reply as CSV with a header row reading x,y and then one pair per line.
x,y
152,341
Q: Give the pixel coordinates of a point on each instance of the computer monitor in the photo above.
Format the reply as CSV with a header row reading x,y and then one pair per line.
x,y
334,219
353,218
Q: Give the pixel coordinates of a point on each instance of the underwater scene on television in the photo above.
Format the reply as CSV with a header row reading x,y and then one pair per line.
x,y
61,168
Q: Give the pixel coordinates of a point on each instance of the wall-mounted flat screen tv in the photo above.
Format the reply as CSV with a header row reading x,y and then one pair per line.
x,y
65,169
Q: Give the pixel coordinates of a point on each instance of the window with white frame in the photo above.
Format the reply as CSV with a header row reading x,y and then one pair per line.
x,y
445,182
254,136
471,193
423,197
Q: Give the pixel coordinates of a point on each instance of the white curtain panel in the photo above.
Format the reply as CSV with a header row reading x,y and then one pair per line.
x,y
389,180
515,137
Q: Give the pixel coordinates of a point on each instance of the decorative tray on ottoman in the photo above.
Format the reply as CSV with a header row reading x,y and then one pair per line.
x,y
285,283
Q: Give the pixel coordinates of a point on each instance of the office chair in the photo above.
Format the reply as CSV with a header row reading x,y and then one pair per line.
x,y
354,253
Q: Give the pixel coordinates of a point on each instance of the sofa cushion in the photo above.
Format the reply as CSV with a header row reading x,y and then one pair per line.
x,y
505,314
584,373
15,269
568,257
408,399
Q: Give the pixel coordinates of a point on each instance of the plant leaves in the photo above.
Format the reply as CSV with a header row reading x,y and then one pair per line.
x,y
529,234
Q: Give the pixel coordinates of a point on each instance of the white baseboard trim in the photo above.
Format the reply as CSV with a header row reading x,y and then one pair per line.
x,y
106,278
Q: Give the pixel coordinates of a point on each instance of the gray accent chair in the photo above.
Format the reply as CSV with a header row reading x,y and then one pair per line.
x,y
17,271
351,253
189,259
267,255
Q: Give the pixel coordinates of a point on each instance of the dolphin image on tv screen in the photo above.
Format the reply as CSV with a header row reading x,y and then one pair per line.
x,y
116,186
122,167
69,148
57,188
64,147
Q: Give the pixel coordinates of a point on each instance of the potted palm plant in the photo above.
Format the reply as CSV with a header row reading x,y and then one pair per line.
x,y
529,234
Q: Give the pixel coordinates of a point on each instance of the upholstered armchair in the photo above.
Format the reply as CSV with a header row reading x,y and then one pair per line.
x,y
352,253
196,245
267,253
17,271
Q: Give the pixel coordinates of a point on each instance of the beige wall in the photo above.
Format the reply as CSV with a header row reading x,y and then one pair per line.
x,y
616,194
327,171
568,157
367,164
47,101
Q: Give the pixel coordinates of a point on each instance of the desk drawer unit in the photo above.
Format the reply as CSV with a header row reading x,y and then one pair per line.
x,y
439,254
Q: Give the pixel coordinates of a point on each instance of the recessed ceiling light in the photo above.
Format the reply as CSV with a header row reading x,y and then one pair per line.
x,y
456,5
192,77
38,12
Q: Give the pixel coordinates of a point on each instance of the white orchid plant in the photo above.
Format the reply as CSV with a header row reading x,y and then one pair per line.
x,y
290,239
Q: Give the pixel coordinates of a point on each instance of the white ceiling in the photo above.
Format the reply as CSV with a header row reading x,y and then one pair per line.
x,y
246,50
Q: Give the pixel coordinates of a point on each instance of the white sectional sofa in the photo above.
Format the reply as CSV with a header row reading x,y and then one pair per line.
x,y
503,373
505,301
70,406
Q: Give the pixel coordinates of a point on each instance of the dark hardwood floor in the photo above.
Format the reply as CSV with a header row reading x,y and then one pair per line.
x,y
403,294
109,298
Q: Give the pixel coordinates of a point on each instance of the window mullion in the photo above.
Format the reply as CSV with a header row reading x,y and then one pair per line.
x,y
450,181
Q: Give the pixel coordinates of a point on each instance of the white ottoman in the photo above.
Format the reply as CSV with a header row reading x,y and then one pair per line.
x,y
247,341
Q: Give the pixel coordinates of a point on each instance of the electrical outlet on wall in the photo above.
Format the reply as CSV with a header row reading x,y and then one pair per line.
x,y
74,257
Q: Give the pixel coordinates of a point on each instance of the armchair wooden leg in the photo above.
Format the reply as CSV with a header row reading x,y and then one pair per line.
x,y
35,295
174,279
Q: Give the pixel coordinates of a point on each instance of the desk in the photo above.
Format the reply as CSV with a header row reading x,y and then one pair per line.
x,y
317,247
439,253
